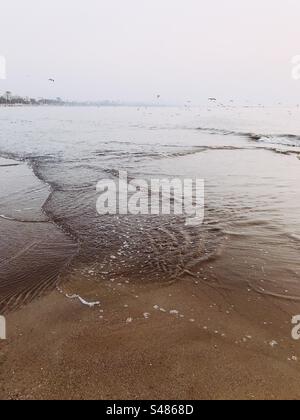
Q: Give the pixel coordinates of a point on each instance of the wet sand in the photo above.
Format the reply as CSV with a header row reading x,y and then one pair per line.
x,y
186,340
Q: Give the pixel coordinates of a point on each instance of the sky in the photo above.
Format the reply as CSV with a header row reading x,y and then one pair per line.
x,y
134,50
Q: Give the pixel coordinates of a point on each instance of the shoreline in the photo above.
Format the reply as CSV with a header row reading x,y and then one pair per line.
x,y
121,324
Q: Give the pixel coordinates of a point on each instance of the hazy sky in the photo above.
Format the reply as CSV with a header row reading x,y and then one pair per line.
x,y
135,49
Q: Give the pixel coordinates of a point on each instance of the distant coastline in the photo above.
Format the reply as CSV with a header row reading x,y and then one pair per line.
x,y
10,100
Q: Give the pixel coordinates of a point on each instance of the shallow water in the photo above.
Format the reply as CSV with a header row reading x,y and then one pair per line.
x,y
248,158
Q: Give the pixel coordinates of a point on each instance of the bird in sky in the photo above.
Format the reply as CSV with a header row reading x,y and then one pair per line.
x,y
51,80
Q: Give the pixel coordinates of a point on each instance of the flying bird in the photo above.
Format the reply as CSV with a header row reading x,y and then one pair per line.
x,y
51,80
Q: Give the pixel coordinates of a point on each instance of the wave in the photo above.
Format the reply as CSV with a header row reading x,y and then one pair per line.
x,y
8,165
2,216
292,140
284,139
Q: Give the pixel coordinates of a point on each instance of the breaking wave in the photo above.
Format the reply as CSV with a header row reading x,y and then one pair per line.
x,y
292,140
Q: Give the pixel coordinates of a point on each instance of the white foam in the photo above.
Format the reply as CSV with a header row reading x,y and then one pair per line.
x,y
5,217
83,301
174,312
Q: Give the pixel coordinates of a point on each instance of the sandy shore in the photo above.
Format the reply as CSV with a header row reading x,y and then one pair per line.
x,y
187,340
222,330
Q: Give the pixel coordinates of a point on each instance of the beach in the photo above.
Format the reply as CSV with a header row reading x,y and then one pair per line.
x,y
145,307
222,348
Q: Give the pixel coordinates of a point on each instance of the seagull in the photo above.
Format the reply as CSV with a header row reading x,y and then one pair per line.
x,y
212,99
51,80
